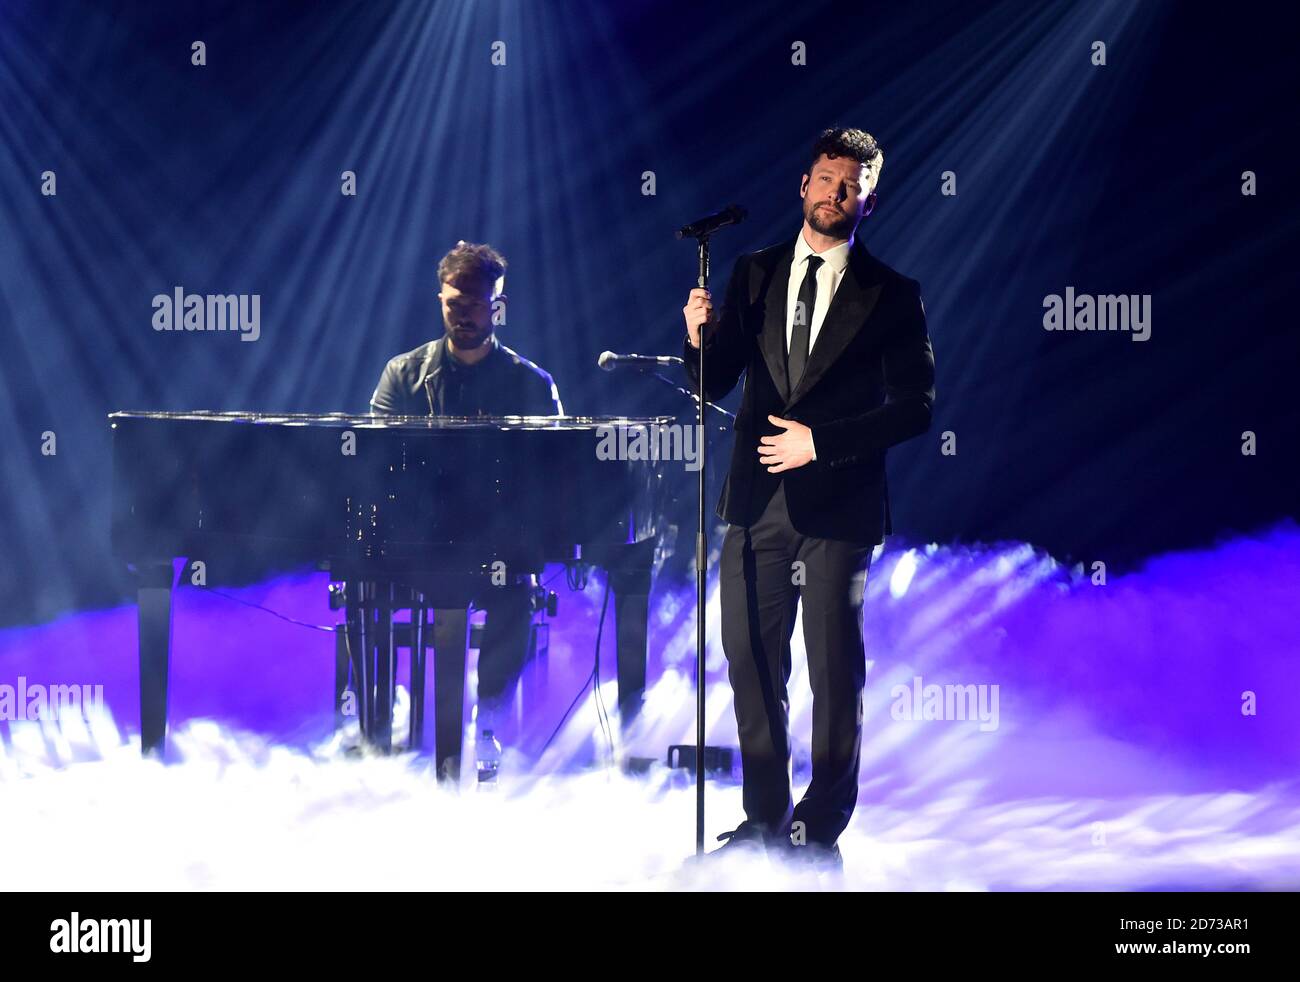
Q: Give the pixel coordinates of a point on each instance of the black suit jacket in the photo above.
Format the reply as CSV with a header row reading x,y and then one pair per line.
x,y
868,384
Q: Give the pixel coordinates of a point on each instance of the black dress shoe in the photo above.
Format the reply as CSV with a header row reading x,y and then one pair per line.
x,y
747,837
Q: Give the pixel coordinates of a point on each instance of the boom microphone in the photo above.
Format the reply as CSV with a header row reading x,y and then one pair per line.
x,y
731,215
610,361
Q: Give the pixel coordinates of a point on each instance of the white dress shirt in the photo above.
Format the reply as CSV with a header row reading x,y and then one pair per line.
x,y
829,274
834,261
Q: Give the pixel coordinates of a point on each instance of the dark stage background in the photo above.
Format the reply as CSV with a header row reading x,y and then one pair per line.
x,y
225,178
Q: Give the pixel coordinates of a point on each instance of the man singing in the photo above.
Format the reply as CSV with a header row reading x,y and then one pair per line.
x,y
468,372
838,368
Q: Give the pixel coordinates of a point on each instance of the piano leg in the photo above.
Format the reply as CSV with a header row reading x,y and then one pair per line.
x,y
341,667
385,673
416,740
450,639
358,642
629,581
154,604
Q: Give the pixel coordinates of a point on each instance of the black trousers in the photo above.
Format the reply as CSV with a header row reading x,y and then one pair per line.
x,y
766,569
505,640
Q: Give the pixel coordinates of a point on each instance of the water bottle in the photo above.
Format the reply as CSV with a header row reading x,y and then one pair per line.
x,y
488,752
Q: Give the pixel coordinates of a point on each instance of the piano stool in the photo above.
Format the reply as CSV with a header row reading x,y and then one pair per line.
x,y
416,637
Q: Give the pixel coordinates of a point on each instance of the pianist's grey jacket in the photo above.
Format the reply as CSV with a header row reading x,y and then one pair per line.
x,y
411,384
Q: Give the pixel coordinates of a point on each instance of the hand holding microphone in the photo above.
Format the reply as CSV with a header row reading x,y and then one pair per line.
x,y
698,312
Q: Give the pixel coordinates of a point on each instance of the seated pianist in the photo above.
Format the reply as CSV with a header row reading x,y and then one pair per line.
x,y
468,372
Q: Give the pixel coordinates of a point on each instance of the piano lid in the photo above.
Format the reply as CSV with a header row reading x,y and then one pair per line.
x,y
382,421
406,490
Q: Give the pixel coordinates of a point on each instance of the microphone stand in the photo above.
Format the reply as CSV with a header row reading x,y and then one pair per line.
x,y
692,396
700,232
701,564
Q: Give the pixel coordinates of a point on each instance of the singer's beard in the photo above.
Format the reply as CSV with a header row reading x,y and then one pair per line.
x,y
839,228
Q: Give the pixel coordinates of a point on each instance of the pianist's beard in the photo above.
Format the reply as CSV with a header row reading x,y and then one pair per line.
x,y
467,337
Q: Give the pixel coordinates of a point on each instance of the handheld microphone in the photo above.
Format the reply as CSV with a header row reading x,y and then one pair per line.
x,y
609,361
731,215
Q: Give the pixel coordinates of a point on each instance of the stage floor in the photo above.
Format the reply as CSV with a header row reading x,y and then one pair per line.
x,y
1143,734
240,813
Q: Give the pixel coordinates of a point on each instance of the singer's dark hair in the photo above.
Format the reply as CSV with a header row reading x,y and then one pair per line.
x,y
474,266
858,145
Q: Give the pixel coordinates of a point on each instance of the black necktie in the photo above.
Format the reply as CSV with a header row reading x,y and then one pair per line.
x,y
803,315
